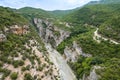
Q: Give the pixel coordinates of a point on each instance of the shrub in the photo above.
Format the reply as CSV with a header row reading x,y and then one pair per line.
x,y
28,76
14,76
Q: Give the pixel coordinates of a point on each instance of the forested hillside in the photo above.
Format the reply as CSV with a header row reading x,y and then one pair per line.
x,y
87,38
62,13
34,12
103,2
22,52
104,54
98,15
8,17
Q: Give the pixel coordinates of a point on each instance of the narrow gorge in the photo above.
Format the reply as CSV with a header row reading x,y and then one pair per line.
x,y
52,37
82,43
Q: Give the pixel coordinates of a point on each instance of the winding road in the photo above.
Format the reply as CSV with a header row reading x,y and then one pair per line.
x,y
97,37
64,69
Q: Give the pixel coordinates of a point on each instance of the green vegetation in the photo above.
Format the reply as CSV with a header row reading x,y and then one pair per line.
x,y
93,15
18,63
56,23
8,18
62,13
84,21
14,76
57,33
104,16
111,28
14,46
6,73
33,12
101,54
28,77
104,2
73,36
104,54
111,70
109,1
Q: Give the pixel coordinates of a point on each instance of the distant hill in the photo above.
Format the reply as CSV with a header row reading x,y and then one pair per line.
x,y
104,2
109,1
93,14
62,13
98,15
34,12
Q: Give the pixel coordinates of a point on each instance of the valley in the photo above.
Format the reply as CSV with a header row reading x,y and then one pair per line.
x,y
77,44
64,70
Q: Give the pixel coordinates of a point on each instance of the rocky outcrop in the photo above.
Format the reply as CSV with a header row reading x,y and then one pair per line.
x,y
66,24
50,33
72,53
1,74
16,29
93,75
2,38
19,30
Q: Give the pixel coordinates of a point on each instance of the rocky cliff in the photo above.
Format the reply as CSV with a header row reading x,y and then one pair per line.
x,y
14,29
50,33
2,37
93,75
17,29
72,53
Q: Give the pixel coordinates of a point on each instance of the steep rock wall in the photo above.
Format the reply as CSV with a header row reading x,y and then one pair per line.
x,y
50,33
72,53
93,75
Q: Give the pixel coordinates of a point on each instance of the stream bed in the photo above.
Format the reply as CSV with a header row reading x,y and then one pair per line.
x,y
64,70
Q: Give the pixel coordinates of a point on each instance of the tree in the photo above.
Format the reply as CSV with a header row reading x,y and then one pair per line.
x,y
28,77
14,76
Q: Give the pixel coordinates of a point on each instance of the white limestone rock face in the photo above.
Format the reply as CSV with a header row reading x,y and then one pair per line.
x,y
93,75
1,75
50,33
72,53
2,37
